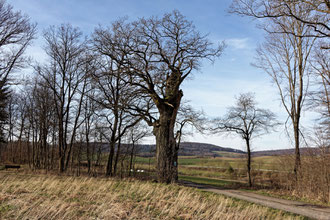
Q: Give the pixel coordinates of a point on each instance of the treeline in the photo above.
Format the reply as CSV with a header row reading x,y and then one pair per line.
x,y
56,121
109,87
77,99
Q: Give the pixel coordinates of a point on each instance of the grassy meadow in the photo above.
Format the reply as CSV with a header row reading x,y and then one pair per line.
x,y
36,196
228,166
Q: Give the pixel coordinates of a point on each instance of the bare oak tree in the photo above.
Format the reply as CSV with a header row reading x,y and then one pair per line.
x,y
158,55
246,120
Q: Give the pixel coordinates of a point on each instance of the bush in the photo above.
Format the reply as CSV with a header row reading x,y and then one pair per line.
x,y
230,170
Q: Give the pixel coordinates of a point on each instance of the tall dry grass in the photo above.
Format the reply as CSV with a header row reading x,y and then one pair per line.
x,y
34,196
313,181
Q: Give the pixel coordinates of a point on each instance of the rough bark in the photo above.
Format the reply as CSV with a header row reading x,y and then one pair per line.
x,y
166,147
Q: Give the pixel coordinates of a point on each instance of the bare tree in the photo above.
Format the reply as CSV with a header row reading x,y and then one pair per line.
x,y
65,76
21,121
318,10
16,33
246,120
320,98
42,119
89,110
158,55
115,97
285,57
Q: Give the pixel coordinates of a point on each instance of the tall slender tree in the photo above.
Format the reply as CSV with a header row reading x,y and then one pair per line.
x,y
65,76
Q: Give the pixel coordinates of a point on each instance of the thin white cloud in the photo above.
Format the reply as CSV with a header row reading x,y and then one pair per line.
x,y
238,43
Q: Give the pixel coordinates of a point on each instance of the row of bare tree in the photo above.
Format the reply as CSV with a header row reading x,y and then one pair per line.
x,y
77,98
110,83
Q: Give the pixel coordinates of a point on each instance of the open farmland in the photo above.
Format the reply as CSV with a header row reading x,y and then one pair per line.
x,y
218,165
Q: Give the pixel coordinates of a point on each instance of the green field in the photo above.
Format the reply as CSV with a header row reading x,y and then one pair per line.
x,y
219,170
264,162
218,167
213,182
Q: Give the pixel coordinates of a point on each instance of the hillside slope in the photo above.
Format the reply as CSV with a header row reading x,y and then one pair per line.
x,y
193,149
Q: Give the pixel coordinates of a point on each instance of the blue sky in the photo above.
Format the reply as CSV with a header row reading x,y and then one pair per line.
x,y
214,87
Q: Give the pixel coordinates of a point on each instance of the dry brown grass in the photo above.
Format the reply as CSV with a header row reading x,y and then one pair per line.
x,y
313,182
55,197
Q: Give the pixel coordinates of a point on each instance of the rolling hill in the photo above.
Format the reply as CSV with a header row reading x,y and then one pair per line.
x,y
210,150
194,149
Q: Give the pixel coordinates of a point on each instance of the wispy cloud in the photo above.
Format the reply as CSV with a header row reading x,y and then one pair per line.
x,y
238,43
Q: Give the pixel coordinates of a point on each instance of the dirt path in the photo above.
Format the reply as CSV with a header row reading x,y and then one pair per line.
x,y
300,208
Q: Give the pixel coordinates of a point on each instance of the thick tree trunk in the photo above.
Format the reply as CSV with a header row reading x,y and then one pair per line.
x,y
163,129
68,155
62,159
166,147
61,163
